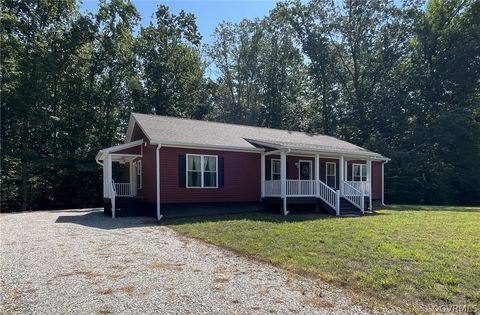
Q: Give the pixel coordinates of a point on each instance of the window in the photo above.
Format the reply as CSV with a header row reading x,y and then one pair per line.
x,y
138,168
275,169
359,172
202,171
331,174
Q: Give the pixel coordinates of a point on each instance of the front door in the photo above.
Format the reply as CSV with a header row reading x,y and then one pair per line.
x,y
305,170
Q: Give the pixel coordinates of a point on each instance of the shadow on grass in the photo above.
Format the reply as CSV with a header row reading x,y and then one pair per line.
x,y
263,216
432,208
99,220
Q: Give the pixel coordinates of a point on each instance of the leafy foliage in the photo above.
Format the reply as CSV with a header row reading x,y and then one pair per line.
x,y
402,80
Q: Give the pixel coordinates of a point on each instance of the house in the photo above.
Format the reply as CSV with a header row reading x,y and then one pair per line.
x,y
171,160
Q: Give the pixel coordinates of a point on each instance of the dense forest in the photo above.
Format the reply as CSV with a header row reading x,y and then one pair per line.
x,y
402,79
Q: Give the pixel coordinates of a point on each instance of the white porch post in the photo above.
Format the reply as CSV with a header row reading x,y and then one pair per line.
x,y
157,158
369,181
317,175
383,183
106,188
341,173
132,187
109,183
262,169
283,180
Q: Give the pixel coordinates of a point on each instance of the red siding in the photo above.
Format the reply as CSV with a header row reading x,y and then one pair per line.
x,y
241,179
377,180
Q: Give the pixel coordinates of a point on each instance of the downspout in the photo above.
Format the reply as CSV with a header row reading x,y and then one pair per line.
x,y
159,216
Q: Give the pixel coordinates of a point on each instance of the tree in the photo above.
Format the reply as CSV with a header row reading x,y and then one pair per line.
x,y
171,67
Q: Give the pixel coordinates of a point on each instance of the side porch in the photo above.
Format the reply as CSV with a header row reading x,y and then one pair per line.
x,y
120,189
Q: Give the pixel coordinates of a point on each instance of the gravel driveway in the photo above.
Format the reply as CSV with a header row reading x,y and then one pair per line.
x,y
82,262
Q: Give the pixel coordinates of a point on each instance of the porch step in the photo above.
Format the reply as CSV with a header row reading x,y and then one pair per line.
x,y
347,209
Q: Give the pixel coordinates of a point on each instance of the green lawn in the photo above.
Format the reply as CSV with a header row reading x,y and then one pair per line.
x,y
409,254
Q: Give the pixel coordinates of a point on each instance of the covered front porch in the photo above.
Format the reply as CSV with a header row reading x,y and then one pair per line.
x,y
335,180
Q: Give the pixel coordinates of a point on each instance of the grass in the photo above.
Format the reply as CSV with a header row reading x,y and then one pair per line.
x,y
401,254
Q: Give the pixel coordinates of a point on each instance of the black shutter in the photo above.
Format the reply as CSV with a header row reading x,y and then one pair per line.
x,y
268,169
182,172
286,173
349,171
221,172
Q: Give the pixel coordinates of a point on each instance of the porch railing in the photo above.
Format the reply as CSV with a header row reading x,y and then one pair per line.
x,y
123,189
302,188
353,195
273,187
362,186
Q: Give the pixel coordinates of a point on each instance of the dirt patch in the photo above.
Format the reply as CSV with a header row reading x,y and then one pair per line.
x,y
217,289
106,291
221,280
86,274
118,266
318,302
127,289
167,266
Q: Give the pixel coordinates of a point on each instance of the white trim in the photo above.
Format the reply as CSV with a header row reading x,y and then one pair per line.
x,y
202,171
101,155
271,168
138,174
361,172
126,155
273,152
310,175
334,175
317,167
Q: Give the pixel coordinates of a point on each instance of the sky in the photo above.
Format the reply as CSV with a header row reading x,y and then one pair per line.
x,y
208,13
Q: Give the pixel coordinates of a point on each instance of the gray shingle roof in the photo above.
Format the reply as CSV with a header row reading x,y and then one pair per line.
x,y
171,130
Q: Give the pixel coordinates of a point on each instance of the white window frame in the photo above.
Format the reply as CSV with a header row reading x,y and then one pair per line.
x,y
202,171
271,169
138,173
362,167
334,174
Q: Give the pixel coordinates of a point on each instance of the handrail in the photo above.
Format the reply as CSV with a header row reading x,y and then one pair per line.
x,y
328,195
354,195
